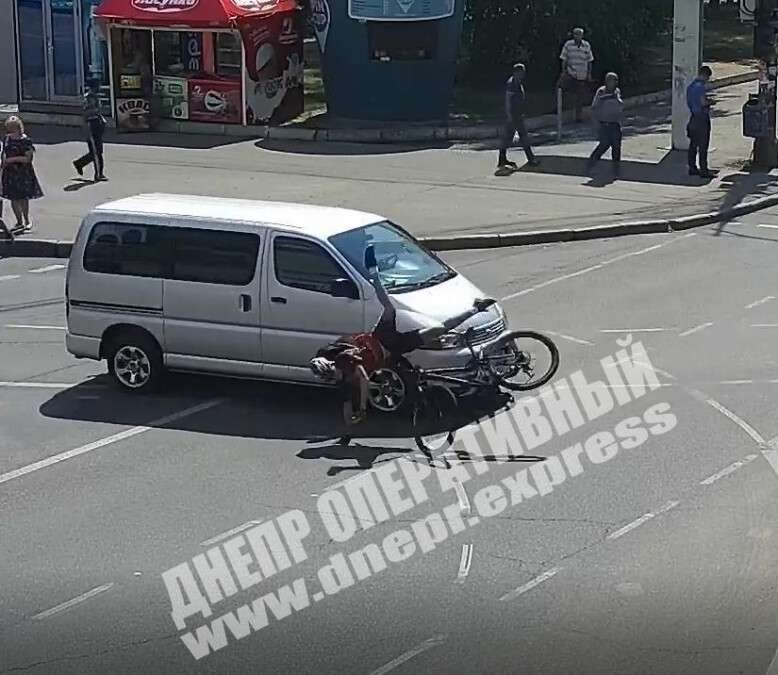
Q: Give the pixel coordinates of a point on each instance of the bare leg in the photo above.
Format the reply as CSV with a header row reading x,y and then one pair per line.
x,y
16,207
26,213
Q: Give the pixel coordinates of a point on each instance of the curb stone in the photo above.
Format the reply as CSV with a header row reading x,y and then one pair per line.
x,y
49,248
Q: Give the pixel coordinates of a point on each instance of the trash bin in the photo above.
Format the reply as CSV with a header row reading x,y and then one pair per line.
x,y
755,118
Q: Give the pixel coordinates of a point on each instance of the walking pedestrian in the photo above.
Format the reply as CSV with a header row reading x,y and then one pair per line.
x,y
577,59
607,110
515,98
699,128
94,124
19,182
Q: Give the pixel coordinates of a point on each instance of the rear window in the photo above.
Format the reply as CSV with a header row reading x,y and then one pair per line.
x,y
183,254
214,257
132,250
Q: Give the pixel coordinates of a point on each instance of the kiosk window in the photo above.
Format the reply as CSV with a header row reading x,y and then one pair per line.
x,y
214,257
132,250
400,41
228,55
305,265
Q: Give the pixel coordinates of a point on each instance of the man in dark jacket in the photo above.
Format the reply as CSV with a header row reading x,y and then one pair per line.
x,y
94,123
514,119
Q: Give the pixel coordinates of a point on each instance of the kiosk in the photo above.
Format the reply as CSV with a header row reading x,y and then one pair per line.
x,y
222,61
388,60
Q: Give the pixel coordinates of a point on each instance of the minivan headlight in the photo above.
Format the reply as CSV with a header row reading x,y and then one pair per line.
x,y
451,340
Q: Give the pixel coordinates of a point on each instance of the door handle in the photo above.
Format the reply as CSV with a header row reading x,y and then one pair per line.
x,y
245,303
278,299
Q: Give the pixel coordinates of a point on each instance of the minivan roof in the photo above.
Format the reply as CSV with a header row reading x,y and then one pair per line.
x,y
323,221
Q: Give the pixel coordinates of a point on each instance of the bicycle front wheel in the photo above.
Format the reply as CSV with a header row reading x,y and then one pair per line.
x,y
437,403
522,360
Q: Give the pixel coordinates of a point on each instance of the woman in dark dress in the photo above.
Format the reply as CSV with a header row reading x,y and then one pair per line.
x,y
19,181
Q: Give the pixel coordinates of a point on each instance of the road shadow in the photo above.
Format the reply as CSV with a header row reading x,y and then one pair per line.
x,y
249,409
670,170
55,135
346,149
77,184
741,187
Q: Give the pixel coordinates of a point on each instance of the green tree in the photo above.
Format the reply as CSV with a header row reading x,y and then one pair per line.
x,y
500,32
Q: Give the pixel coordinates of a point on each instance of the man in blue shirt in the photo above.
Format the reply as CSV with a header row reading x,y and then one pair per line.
x,y
698,129
514,119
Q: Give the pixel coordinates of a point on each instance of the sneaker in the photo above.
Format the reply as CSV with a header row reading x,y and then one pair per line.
x,y
709,173
78,169
694,171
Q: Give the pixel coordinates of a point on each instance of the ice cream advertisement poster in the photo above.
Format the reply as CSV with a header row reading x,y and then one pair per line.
x,y
274,69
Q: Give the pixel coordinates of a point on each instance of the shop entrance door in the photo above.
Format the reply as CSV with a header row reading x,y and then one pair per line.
x,y
50,50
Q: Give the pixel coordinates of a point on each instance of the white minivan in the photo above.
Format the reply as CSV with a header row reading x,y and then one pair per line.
x,y
248,288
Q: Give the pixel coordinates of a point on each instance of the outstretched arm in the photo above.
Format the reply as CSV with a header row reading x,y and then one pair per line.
x,y
389,315
434,332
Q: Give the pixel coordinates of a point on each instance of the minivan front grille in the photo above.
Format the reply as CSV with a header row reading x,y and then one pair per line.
x,y
488,332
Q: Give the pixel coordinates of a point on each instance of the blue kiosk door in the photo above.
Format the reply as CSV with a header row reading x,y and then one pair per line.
x,y
388,60
50,51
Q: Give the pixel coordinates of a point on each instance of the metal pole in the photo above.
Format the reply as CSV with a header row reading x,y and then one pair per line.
x,y
766,147
687,56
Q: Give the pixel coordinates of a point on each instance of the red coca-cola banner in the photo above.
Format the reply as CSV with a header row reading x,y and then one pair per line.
x,y
274,68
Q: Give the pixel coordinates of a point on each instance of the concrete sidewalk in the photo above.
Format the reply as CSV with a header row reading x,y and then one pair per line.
x,y
440,191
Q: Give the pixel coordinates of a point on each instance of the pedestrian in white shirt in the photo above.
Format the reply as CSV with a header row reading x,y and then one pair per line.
x,y
577,58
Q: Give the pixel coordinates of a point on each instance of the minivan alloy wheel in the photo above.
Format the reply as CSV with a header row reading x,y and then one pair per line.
x,y
132,366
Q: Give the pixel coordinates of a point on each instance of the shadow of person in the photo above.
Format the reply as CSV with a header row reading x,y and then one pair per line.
x,y
79,184
366,456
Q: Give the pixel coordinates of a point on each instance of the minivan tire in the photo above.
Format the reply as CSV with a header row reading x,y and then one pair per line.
x,y
135,362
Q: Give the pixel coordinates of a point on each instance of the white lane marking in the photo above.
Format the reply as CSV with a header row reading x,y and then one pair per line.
x,y
8,277
696,329
40,385
464,502
72,603
89,447
633,330
593,267
760,302
764,325
710,480
772,227
570,338
33,326
643,519
48,268
465,561
226,535
745,426
770,453
407,656
524,588
773,668
736,382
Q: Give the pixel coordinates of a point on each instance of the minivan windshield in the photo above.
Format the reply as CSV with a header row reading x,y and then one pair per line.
x,y
403,264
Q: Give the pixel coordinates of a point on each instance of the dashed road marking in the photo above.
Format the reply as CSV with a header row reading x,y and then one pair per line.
x,y
39,385
643,519
47,268
633,330
598,266
728,470
465,561
570,338
72,603
229,533
464,502
760,302
411,653
9,277
764,325
524,588
696,329
772,227
95,445
745,426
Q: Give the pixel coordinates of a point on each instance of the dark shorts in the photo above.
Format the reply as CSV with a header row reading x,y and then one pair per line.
x,y
398,343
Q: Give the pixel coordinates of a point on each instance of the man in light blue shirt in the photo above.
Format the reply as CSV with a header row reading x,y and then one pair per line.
x,y
698,129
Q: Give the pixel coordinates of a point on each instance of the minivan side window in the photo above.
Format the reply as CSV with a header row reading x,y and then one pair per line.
x,y
303,264
214,256
128,249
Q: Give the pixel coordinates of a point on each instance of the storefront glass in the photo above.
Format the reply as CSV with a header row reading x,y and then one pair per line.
x,y
32,50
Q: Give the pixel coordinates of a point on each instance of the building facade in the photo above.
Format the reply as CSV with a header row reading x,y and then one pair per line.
x,y
8,68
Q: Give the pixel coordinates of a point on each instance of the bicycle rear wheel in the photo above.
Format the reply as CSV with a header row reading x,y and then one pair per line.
x,y
522,360
436,403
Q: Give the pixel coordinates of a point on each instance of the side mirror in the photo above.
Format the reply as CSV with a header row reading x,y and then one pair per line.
x,y
344,288
370,261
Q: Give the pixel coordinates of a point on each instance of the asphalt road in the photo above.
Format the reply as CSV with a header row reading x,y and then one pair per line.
x,y
659,560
